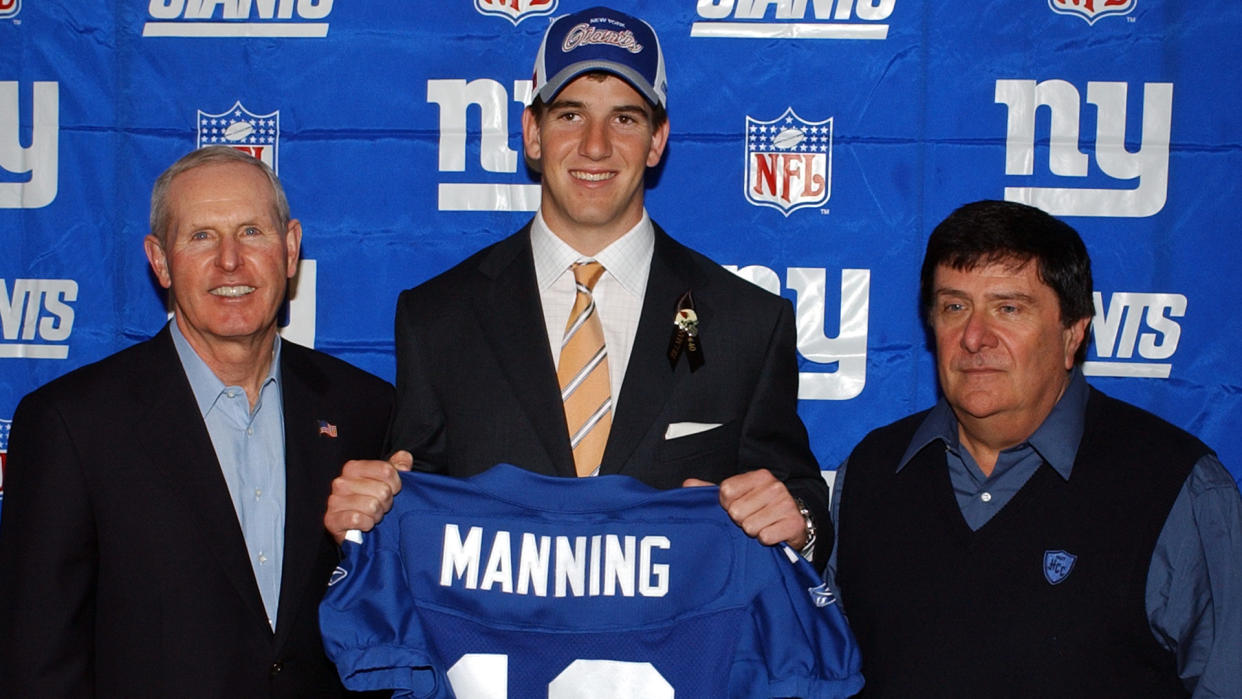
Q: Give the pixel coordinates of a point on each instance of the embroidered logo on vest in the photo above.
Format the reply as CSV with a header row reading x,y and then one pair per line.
x,y
1057,565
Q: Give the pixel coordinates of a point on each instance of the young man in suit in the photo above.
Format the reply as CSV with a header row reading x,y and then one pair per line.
x,y
161,530
693,374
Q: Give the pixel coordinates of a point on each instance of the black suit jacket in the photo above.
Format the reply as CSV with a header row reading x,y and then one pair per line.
x,y
477,386
123,571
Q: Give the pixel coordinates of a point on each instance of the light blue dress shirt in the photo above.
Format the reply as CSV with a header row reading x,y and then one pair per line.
x,y
1194,582
250,446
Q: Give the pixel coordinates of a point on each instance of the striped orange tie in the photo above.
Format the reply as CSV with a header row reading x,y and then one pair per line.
x,y
583,374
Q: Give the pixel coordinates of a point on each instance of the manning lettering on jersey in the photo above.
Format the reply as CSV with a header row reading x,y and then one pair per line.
x,y
561,566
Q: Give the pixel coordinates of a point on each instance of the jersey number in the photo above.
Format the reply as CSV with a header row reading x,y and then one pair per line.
x,y
486,676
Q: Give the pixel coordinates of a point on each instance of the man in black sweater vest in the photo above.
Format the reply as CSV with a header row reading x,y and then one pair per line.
x,y
1028,535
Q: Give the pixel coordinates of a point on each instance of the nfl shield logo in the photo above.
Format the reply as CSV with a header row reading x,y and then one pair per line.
x,y
1091,10
788,162
515,10
1057,565
254,134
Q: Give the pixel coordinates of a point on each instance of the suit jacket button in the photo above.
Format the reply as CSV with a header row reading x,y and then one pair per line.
x,y
276,668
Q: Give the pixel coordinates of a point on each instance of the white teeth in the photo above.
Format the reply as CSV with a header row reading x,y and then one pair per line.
x,y
232,291
594,176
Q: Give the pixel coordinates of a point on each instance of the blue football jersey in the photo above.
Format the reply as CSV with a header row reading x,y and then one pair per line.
x,y
513,584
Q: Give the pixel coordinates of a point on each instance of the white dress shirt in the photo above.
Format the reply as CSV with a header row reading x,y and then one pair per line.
x,y
618,293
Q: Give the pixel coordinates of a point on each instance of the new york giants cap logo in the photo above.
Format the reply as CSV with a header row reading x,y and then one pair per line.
x,y
10,8
515,10
257,135
788,162
1092,10
1057,566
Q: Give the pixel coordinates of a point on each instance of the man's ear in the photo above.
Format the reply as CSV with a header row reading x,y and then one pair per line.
x,y
293,247
530,138
1074,336
158,260
659,139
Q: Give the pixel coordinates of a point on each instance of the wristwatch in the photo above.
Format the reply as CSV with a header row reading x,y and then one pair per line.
x,y
808,549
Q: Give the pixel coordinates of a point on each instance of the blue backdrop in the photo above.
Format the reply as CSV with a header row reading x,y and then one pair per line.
x,y
815,143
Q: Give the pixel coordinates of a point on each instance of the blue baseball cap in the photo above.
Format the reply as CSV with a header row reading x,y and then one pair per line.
x,y
601,39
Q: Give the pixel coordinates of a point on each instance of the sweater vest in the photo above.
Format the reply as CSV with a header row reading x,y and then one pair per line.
x,y
1046,599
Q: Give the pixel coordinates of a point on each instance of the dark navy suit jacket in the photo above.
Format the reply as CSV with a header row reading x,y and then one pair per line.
x,y
476,380
123,570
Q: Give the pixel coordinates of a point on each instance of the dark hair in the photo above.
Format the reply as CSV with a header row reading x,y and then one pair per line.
x,y
659,114
988,232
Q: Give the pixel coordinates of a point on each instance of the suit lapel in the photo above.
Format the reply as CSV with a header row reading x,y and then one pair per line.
x,y
649,381
311,461
176,442
511,318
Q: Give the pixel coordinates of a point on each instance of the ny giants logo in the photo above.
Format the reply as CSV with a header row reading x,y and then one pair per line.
x,y
792,19
788,162
490,185
1147,166
1092,10
36,166
9,8
1135,334
237,18
515,10
841,373
256,135
36,318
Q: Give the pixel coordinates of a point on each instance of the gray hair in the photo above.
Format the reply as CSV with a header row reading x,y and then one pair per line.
x,y
207,156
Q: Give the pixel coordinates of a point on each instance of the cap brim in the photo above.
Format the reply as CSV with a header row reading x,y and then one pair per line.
x,y
567,75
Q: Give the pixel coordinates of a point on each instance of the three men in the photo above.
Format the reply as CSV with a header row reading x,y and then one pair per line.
x,y
690,373
161,530
1028,535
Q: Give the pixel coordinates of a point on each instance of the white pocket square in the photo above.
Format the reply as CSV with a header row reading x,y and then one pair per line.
x,y
685,429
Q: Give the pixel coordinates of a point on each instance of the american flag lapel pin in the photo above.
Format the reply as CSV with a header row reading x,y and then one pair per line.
x,y
327,428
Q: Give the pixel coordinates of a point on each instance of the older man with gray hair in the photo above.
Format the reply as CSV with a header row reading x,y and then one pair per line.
x,y
161,528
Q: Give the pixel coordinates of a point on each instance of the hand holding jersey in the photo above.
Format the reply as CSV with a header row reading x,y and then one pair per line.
x,y
762,506
363,493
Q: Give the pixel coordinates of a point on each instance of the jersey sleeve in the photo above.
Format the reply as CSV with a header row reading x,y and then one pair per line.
x,y
798,643
370,626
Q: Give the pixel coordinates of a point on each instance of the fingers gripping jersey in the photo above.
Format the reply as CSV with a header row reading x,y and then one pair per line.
x,y
512,584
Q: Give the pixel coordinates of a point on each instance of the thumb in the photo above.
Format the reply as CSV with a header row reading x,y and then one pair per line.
x,y
694,483
402,460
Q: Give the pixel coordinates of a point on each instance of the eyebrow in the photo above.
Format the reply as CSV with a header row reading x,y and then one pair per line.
x,y
620,109
990,296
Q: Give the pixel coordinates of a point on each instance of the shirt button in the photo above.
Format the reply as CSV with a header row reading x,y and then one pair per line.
x,y
258,492
986,497
262,559
250,431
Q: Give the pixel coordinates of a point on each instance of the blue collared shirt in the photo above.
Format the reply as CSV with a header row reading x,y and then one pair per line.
x,y
1194,582
250,446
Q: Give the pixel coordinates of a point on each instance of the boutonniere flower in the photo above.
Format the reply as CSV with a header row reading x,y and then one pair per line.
x,y
685,337
687,320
